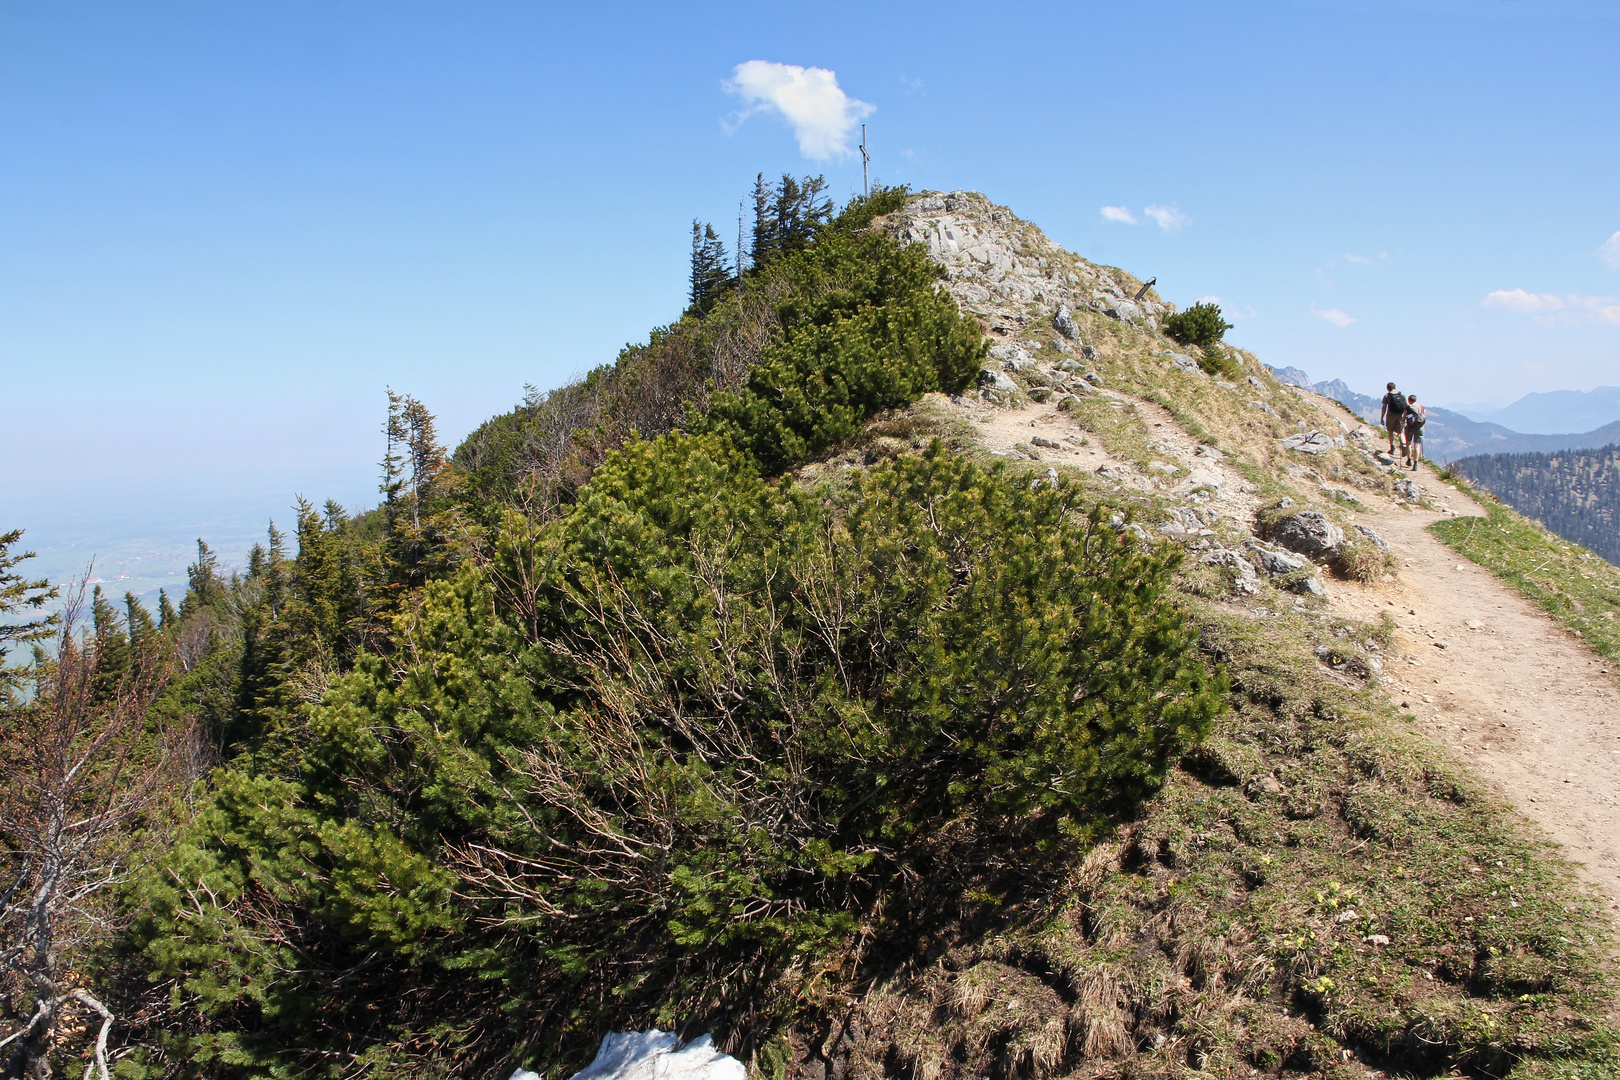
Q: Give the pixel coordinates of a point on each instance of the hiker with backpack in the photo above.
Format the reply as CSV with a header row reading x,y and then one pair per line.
x,y
1416,417
1393,418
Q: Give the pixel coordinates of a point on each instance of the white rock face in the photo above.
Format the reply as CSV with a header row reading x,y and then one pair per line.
x,y
1006,272
1311,443
655,1055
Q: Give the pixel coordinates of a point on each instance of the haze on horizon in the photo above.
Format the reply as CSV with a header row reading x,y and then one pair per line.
x,y
226,230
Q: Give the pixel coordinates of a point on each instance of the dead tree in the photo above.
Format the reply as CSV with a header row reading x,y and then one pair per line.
x,y
81,771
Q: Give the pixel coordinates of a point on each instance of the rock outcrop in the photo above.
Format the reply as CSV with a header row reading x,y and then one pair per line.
x,y
998,265
1309,533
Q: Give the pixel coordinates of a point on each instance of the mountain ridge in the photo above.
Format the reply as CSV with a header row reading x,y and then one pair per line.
x,y
1555,412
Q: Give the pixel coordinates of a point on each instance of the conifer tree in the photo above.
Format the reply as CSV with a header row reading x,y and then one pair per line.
x,y
19,593
205,587
801,209
112,646
109,631
139,622
788,217
168,618
709,273
763,247
415,489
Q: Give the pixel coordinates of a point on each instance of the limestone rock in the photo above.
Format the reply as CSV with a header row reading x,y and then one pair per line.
x,y
1310,533
1377,541
1185,363
1263,785
1199,477
1313,442
1063,322
1246,582
995,380
1276,562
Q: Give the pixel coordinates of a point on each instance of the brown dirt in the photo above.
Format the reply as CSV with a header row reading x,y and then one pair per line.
x,y
1001,429
1490,676
1524,704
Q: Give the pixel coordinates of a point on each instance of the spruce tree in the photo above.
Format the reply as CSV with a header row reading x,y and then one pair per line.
x,y
788,217
139,622
418,492
112,645
801,209
19,593
709,273
764,247
205,587
168,618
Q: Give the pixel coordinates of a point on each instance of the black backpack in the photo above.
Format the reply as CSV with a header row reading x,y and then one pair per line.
x,y
1415,419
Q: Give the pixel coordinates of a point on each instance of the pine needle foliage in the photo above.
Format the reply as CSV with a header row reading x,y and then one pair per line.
x,y
1199,325
663,757
835,327
863,330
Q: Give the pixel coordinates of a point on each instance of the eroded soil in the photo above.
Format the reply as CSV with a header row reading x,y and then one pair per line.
x,y
1504,687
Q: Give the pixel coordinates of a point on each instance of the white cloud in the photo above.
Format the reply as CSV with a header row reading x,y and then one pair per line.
x,y
1551,310
823,117
1334,316
1169,218
1523,302
1610,252
1207,300
1118,213
1365,260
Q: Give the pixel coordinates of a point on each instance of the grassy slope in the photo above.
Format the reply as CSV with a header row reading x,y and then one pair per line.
x,y
1237,923
1213,934
1570,583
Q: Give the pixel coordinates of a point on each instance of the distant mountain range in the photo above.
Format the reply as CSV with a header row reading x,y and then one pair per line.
x,y
1450,435
1559,411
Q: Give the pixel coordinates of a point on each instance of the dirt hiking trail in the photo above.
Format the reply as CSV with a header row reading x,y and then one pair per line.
x,y
1516,697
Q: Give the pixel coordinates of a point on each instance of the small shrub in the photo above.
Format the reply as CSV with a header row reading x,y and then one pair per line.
x,y
1199,325
1218,361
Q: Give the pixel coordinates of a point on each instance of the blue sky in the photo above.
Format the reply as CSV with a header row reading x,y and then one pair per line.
x,y
225,228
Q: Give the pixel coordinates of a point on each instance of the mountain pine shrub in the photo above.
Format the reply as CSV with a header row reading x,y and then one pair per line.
x,y
1199,325
863,329
660,759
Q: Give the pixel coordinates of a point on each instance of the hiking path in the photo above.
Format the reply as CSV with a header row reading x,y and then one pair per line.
x,y
1522,701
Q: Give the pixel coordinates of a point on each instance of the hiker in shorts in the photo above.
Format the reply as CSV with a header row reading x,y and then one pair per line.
x,y
1393,418
1416,417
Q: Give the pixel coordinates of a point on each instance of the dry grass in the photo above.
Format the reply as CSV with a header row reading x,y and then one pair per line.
x,y
1234,924
1239,923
